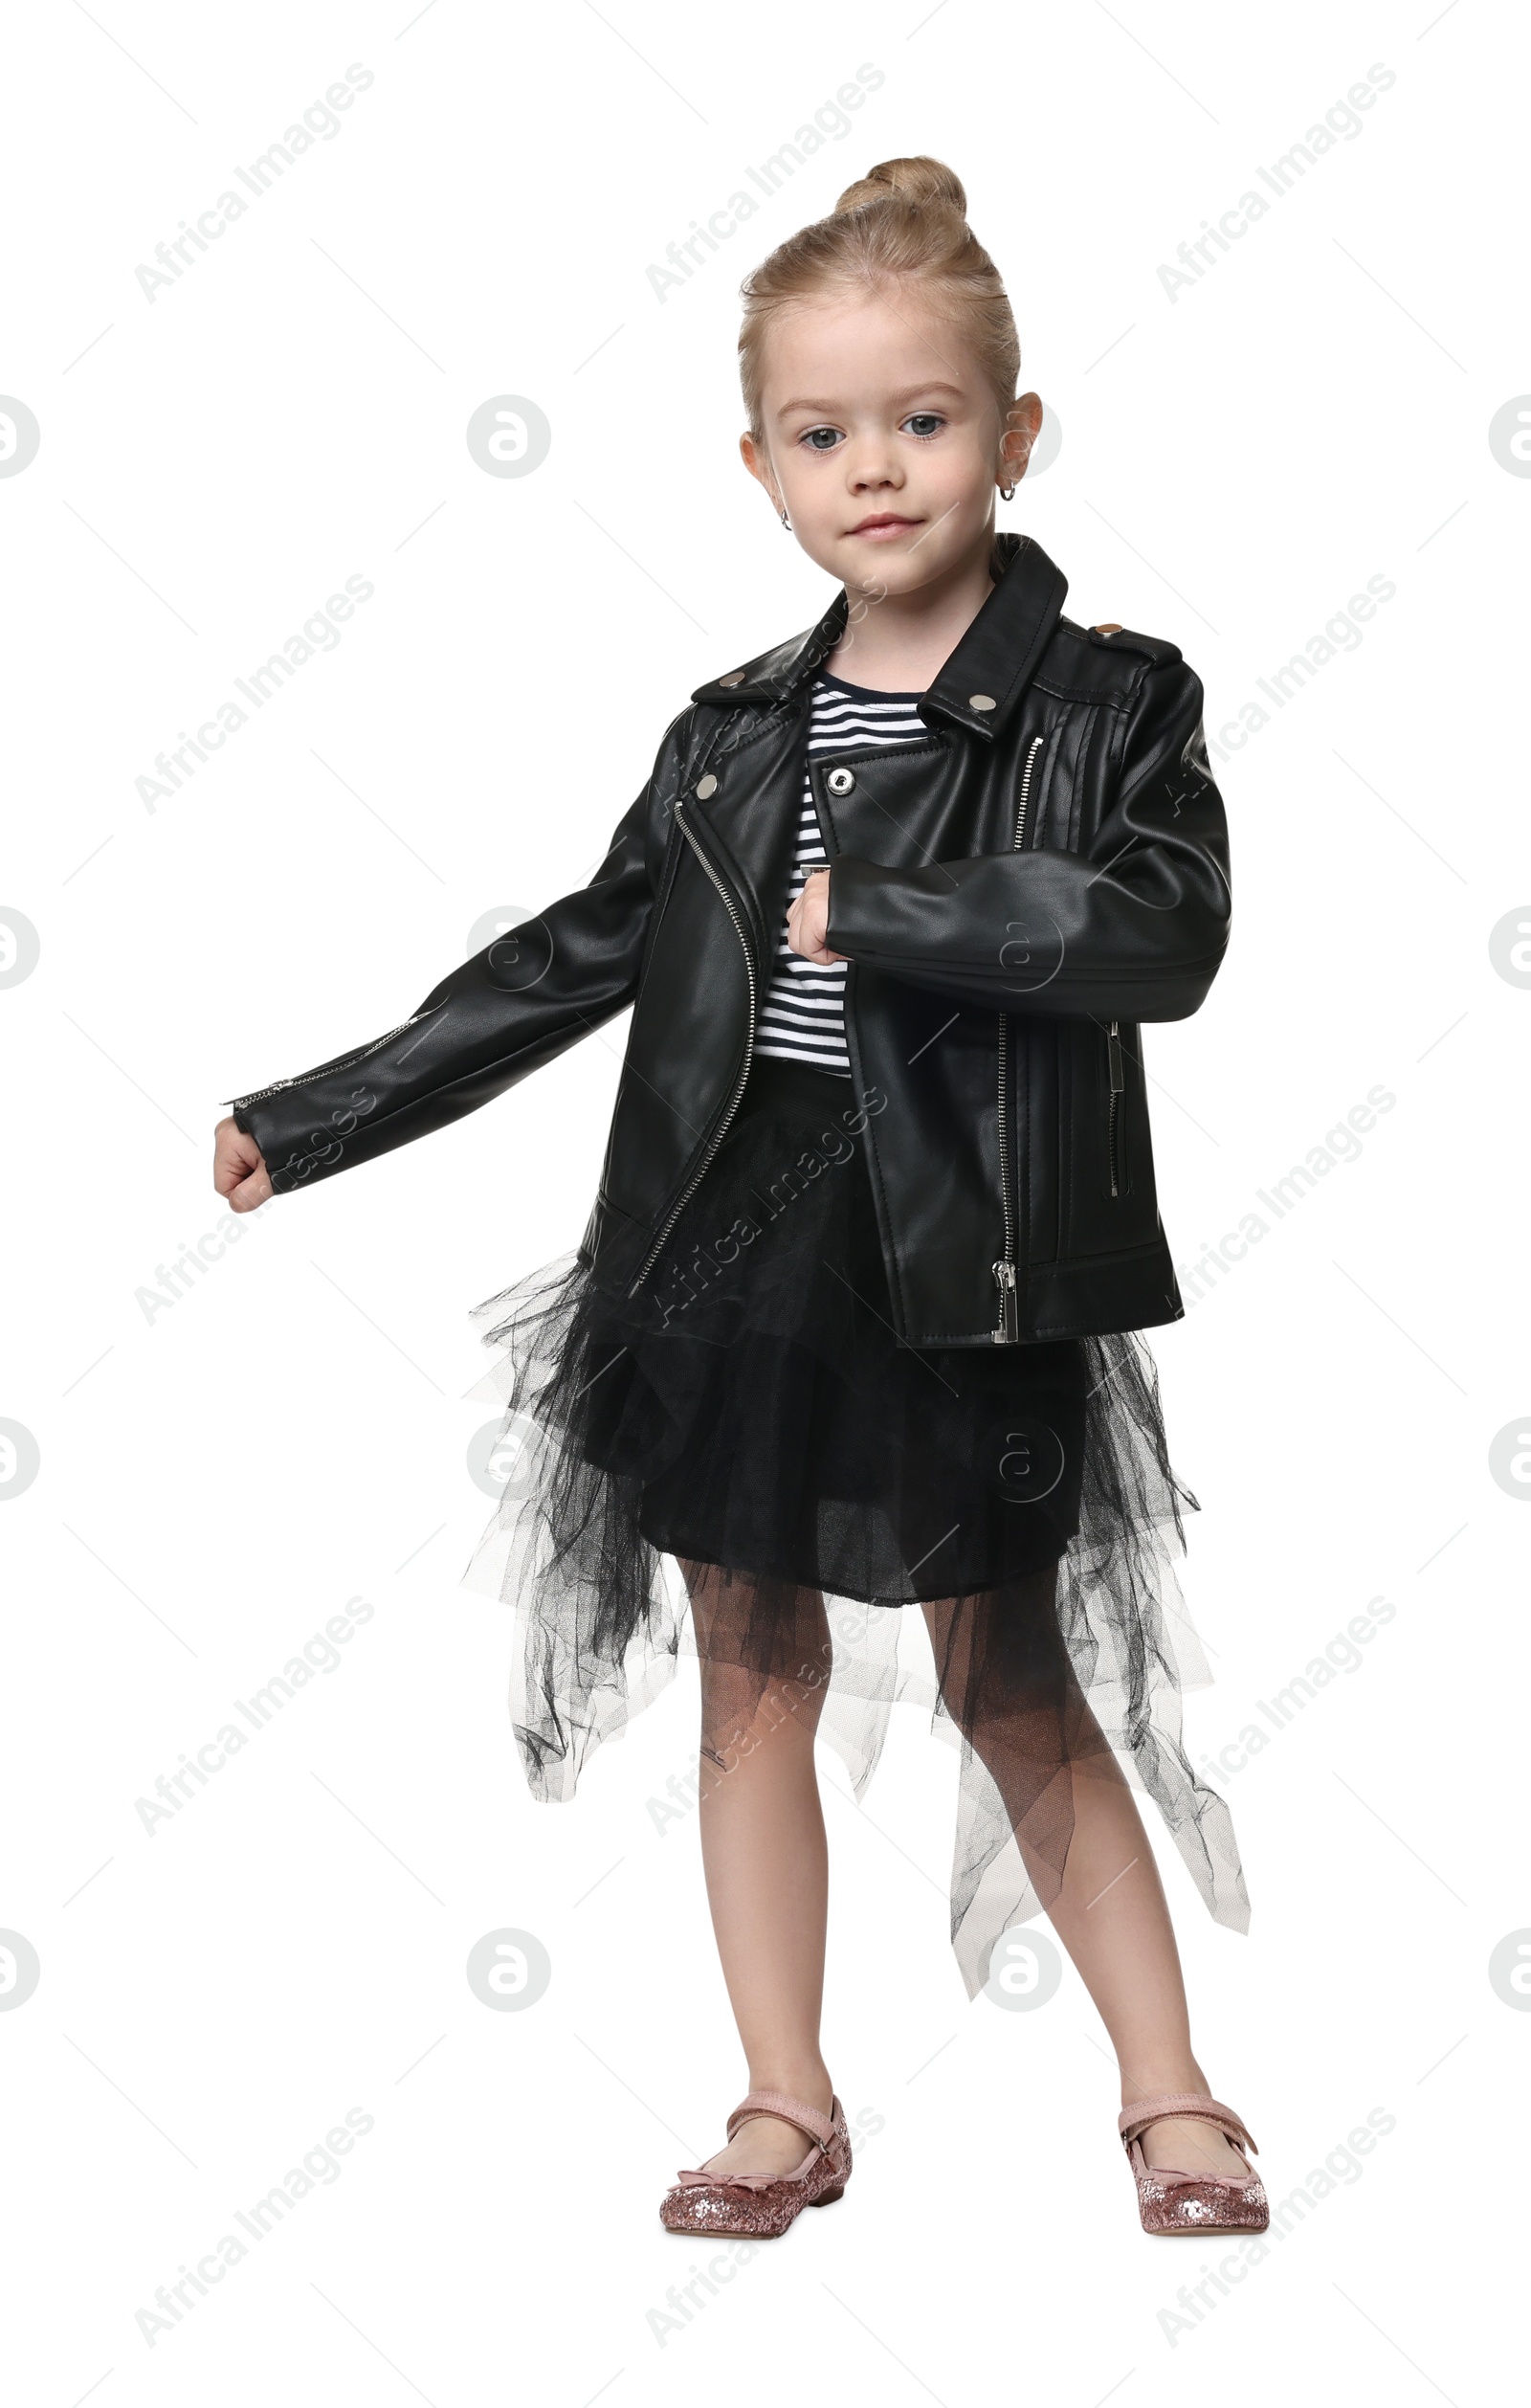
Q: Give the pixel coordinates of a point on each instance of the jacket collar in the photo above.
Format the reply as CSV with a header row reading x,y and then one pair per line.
x,y
994,663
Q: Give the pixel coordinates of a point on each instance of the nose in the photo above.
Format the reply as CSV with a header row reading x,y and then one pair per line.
x,y
872,465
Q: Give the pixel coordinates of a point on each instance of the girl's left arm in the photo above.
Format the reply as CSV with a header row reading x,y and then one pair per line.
x,y
1133,928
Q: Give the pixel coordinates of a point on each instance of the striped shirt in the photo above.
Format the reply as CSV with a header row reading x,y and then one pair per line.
x,y
802,1015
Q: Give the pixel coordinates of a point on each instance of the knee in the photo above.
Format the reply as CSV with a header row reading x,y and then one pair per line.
x,y
741,1711
1027,1712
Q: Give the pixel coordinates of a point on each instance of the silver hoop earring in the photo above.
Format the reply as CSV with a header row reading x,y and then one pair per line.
x,y
786,523
1007,493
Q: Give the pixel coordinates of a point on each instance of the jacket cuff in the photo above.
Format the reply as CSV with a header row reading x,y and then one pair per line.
x,y
308,1128
853,922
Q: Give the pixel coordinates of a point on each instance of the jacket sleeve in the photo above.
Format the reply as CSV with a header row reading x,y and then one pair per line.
x,y
526,999
1133,928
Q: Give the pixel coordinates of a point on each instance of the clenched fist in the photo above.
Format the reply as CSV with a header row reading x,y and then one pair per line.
x,y
808,920
239,1170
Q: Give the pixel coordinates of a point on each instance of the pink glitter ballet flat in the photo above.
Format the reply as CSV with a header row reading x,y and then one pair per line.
x,y
1175,2199
761,2206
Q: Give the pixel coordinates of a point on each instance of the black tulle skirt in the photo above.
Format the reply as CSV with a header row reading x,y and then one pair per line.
x,y
750,1420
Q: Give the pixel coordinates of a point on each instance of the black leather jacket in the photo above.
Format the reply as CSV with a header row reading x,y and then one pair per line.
x,y
1015,894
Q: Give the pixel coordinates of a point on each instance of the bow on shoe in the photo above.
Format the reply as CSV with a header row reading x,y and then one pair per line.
x,y
690,2178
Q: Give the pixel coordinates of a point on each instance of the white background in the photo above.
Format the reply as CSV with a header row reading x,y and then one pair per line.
x,y
218,1476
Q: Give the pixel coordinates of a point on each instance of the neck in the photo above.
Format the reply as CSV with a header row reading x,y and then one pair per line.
x,y
901,642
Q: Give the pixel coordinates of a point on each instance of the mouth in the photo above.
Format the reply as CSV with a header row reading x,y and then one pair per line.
x,y
885,524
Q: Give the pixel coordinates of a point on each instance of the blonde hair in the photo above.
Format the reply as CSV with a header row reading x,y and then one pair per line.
x,y
904,217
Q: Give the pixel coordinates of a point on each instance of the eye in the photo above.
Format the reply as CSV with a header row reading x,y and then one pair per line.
x,y
810,437
925,423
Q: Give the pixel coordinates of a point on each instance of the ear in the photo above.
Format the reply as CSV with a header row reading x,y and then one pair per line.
x,y
759,467
1023,423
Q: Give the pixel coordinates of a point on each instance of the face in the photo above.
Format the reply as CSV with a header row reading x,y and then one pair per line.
x,y
883,441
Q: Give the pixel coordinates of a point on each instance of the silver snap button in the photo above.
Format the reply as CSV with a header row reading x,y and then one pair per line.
x,y
981,702
840,781
706,786
735,677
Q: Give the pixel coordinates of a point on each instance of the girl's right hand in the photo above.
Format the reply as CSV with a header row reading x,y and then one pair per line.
x,y
239,1170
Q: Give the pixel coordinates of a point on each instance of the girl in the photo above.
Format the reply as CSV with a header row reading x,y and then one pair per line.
x,y
854,1323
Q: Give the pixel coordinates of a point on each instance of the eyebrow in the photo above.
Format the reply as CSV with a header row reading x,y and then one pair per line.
x,y
936,385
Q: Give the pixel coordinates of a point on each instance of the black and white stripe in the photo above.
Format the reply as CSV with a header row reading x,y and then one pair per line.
x,y
803,1016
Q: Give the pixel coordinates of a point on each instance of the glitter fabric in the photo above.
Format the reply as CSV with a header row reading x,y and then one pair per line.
x,y
761,2206
1170,2200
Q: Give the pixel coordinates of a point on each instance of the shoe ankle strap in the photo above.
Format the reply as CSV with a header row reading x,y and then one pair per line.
x,y
807,2119
1135,2119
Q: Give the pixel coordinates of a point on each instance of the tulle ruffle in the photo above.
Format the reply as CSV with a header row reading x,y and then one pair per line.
x,y
751,1417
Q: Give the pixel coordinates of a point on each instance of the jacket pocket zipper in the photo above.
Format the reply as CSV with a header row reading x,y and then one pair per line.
x,y
1005,1276
341,1061
721,1130
1114,1109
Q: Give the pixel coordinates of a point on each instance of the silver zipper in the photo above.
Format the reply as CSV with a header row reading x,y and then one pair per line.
x,y
343,1061
1118,1083
1008,1329
721,1130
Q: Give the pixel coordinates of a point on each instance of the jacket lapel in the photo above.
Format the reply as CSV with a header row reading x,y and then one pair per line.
x,y
1002,651
748,824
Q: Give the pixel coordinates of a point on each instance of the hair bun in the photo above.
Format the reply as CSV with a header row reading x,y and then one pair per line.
x,y
925,182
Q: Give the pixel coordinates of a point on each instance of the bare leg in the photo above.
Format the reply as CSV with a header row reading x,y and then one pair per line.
x,y
1110,1910
764,1855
